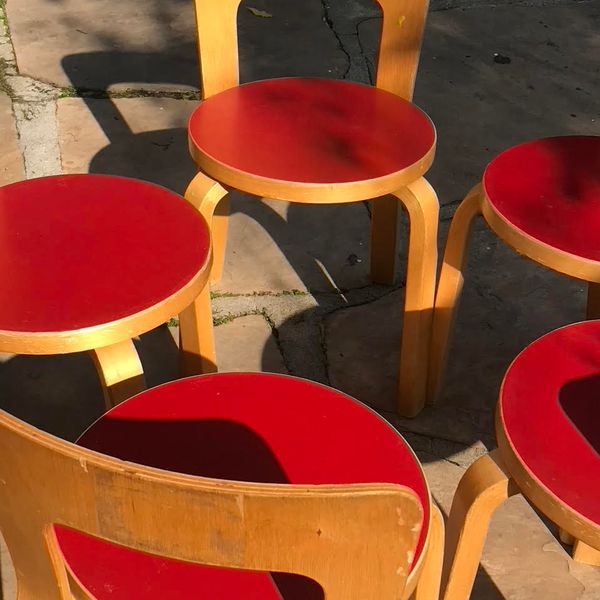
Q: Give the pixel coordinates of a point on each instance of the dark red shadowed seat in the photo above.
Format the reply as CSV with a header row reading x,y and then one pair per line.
x,y
550,190
550,412
245,427
311,131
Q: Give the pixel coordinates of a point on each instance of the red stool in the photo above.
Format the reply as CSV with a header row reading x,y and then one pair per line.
x,y
543,199
88,262
548,432
322,141
246,427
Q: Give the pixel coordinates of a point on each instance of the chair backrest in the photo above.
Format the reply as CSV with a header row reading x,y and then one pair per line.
x,y
399,45
356,541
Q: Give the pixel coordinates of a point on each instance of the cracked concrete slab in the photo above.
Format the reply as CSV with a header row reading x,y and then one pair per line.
x,y
248,344
11,160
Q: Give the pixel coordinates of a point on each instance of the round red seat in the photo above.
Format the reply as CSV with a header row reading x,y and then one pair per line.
x,y
549,411
549,190
83,251
244,427
311,131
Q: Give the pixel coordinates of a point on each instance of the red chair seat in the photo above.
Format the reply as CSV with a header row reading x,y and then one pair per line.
x,y
550,190
311,131
248,427
550,409
79,251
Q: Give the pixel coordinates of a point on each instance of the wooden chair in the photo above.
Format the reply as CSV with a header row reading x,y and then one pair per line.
x,y
88,262
319,141
543,199
266,473
548,449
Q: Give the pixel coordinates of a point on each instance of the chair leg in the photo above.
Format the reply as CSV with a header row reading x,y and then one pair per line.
x,y
421,203
484,486
593,301
206,195
196,337
120,372
583,553
384,234
449,288
428,586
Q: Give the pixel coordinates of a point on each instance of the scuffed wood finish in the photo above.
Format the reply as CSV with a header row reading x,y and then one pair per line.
x,y
216,27
120,371
400,45
355,540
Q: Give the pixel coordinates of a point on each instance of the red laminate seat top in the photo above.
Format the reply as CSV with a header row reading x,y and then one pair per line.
x,y
84,250
550,190
550,407
237,426
311,130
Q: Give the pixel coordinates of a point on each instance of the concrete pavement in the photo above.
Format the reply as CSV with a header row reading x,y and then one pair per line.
x,y
105,87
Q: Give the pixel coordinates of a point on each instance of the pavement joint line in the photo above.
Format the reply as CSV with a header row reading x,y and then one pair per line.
x,y
330,24
275,333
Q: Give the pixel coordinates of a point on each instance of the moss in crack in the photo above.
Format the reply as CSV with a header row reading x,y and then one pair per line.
x,y
82,92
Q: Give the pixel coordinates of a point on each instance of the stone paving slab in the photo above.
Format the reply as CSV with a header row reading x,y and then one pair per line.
x,y
11,161
100,44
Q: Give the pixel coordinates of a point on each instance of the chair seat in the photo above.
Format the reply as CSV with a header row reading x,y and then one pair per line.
x,y
244,427
311,131
80,251
549,189
550,411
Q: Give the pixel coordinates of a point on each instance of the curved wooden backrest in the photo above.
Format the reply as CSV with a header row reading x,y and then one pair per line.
x,y
356,541
399,46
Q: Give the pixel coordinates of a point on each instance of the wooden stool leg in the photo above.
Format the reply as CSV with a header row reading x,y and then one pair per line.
x,y
581,551
196,339
449,288
593,301
484,486
206,195
120,372
384,234
428,586
422,206
586,554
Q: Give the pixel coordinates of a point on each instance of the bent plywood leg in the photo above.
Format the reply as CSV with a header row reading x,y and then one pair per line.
x,y
384,233
484,486
593,301
196,339
586,554
449,288
422,205
120,372
207,196
428,586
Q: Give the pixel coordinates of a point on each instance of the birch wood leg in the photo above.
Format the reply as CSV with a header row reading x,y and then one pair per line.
x,y
586,554
428,586
593,301
196,339
449,288
484,486
384,234
207,196
120,372
422,206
